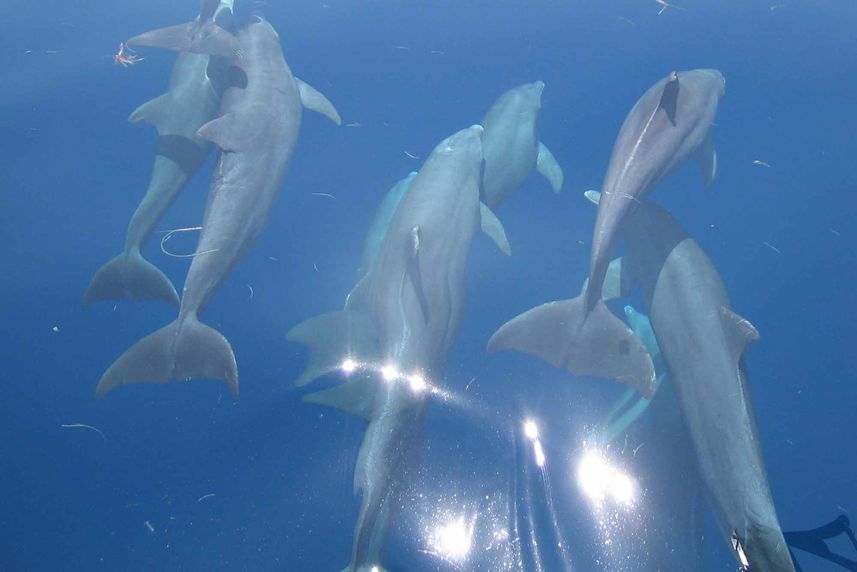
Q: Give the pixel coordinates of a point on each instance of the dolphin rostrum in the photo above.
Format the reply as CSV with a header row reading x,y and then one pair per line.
x,y
512,147
399,323
256,131
669,124
703,342
192,99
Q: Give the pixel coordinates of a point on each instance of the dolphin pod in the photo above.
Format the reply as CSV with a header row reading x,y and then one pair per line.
x,y
256,130
232,88
687,302
668,125
398,326
192,100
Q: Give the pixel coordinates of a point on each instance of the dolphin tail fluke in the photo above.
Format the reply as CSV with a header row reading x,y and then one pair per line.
x,y
199,37
594,343
185,349
547,166
334,338
130,276
314,100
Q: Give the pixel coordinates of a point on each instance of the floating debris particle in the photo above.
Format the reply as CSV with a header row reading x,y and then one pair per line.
x,y
150,527
203,497
327,195
55,329
84,426
761,163
411,156
772,247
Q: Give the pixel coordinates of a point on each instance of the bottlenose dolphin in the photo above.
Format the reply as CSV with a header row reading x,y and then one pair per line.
x,y
669,124
703,341
256,132
511,145
192,99
673,537
398,326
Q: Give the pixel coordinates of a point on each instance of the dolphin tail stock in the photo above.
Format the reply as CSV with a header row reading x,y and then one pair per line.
x,y
314,100
335,338
183,350
586,342
547,166
130,276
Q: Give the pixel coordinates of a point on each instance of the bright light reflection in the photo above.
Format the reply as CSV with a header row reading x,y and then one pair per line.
x,y
598,480
453,540
540,454
418,384
348,365
389,373
531,430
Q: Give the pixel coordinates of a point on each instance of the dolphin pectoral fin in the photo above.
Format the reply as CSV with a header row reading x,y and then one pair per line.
x,y
669,97
204,37
314,100
493,228
154,111
180,351
547,166
618,281
594,343
642,328
355,396
130,276
594,197
739,331
333,338
707,157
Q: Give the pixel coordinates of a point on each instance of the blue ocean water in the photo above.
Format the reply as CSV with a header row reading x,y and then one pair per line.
x,y
135,497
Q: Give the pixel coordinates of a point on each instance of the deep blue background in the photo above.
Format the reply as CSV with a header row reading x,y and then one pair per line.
x,y
410,73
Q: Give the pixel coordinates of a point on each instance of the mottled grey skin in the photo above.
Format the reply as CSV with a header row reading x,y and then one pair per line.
x,y
703,342
257,132
192,99
669,124
409,307
511,145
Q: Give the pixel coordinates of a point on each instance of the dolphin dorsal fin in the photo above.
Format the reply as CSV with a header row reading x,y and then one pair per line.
x,y
413,270
739,331
669,97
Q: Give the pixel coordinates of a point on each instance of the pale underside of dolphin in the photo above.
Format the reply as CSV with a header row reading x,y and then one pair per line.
x,y
703,341
257,131
399,322
192,99
668,125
